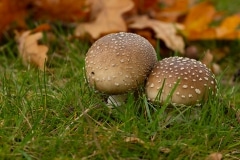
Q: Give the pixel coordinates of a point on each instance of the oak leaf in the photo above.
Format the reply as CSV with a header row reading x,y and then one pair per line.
x,y
164,31
30,51
109,19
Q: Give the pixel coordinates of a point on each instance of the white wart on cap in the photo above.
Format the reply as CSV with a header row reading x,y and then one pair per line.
x,y
193,79
119,62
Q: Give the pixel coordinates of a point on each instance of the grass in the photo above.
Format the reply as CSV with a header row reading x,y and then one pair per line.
x,y
55,115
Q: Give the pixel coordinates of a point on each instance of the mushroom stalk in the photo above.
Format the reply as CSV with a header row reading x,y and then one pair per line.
x,y
116,100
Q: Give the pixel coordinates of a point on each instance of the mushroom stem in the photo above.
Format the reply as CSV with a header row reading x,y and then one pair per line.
x,y
116,100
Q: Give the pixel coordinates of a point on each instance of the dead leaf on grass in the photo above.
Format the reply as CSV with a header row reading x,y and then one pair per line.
x,y
31,52
165,150
228,29
214,156
133,140
172,10
199,16
109,19
66,10
164,31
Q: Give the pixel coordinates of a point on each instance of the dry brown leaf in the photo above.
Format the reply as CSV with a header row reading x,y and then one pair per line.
x,y
164,31
165,150
145,6
214,156
133,140
66,10
108,20
30,51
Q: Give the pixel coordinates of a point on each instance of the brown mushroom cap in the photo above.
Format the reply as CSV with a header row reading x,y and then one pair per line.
x,y
193,80
119,62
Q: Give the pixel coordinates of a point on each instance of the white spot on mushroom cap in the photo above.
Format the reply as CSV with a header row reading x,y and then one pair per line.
x,y
197,91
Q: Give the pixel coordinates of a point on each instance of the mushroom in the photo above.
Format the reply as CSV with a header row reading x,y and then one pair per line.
x,y
119,62
189,80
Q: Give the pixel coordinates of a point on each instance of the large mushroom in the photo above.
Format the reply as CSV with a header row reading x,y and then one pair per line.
x,y
191,79
119,62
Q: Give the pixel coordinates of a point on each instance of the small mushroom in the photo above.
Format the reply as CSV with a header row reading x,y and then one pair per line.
x,y
119,62
191,80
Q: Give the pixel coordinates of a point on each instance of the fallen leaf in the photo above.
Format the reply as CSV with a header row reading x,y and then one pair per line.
x,y
70,10
197,22
133,140
30,51
209,33
164,31
165,150
214,156
172,10
108,20
145,6
228,28
199,17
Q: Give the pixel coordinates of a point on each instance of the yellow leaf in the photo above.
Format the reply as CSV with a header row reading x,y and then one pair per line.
x,y
164,31
109,19
209,33
171,12
30,51
199,16
228,26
